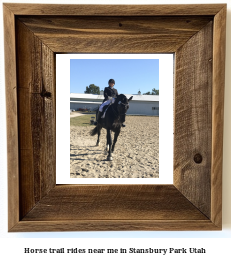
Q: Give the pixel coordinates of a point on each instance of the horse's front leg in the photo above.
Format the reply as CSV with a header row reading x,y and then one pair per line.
x,y
106,149
117,132
109,142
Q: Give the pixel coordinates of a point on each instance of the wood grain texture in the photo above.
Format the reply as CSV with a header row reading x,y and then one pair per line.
x,y
194,201
114,207
114,202
12,122
114,34
77,25
114,10
193,125
114,225
218,114
36,106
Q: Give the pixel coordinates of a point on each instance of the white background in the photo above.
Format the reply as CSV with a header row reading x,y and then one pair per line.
x,y
217,243
63,119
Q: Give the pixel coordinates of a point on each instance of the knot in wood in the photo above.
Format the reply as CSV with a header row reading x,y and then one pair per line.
x,y
45,94
198,158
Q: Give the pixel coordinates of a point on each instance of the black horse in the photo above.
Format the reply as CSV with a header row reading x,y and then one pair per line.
x,y
114,118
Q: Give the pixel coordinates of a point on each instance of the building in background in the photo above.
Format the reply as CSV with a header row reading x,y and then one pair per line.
x,y
139,105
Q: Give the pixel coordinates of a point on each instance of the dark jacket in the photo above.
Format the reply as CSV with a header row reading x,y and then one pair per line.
x,y
108,91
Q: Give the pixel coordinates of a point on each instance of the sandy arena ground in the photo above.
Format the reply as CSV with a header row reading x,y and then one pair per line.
x,y
136,152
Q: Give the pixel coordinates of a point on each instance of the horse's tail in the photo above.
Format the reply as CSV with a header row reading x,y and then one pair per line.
x,y
94,131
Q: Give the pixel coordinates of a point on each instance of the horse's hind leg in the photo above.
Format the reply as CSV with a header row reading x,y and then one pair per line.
x,y
109,142
99,130
115,139
106,149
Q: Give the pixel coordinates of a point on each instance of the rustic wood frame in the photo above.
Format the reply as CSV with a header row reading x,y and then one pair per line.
x,y
33,34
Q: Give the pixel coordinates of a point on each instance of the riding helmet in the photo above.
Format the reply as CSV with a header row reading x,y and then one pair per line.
x,y
111,81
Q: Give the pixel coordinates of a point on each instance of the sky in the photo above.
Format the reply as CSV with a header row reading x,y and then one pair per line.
x,y
130,75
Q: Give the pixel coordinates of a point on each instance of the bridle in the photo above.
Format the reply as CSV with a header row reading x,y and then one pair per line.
x,y
122,103
120,114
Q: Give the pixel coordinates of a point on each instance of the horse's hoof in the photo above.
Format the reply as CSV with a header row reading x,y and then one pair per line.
x,y
97,143
109,158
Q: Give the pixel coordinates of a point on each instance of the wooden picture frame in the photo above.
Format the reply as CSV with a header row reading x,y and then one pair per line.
x,y
33,34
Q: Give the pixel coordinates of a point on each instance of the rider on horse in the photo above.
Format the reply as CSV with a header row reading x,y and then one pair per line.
x,y
110,94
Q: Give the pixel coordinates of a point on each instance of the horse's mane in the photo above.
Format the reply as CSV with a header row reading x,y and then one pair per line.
x,y
121,96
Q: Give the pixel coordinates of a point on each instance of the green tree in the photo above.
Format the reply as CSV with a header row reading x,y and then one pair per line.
x,y
154,92
147,93
93,89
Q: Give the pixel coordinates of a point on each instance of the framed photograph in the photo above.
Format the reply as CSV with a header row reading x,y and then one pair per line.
x,y
35,35
140,155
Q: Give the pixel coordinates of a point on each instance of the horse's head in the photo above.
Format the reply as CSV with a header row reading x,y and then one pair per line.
x,y
122,103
